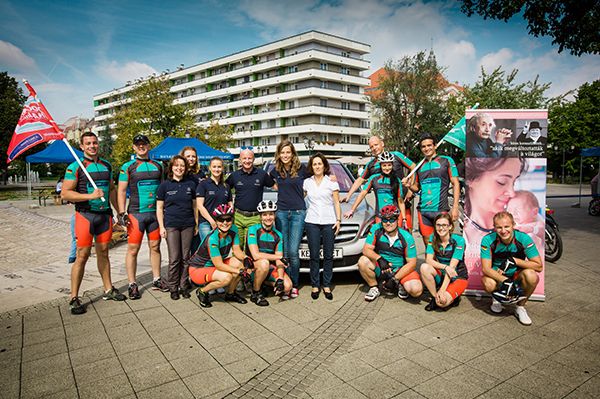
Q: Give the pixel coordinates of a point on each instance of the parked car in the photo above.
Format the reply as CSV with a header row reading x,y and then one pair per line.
x,y
353,232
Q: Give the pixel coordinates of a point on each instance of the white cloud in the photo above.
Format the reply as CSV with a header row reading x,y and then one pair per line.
x,y
14,58
122,72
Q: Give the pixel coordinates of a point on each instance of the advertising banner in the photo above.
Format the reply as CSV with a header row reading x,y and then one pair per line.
x,y
505,170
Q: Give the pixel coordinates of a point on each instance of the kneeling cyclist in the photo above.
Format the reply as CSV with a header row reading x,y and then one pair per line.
x,y
390,255
210,267
444,273
510,263
264,246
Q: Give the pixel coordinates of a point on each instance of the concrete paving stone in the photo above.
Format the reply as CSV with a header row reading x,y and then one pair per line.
x,y
519,360
142,358
195,363
466,347
124,343
265,343
9,389
401,325
577,358
343,391
275,354
409,394
375,333
210,382
88,318
12,343
120,320
47,384
560,373
377,385
44,349
246,369
312,325
434,361
42,320
10,372
571,327
323,380
98,370
91,354
93,338
70,393
388,351
407,372
167,335
539,385
471,376
151,375
350,366
39,367
183,348
218,338
110,308
294,335
11,327
146,302
117,386
77,329
588,389
507,390
150,314
440,387
360,343
433,334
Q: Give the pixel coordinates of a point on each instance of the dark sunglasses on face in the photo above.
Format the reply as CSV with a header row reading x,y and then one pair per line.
x,y
392,220
226,219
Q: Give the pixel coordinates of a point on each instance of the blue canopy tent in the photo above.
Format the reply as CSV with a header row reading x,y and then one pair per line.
x,y
173,145
56,152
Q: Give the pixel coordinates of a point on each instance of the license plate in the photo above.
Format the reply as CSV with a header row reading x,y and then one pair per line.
x,y
338,253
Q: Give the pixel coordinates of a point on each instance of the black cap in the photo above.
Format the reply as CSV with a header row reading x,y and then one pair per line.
x,y
141,138
426,136
534,125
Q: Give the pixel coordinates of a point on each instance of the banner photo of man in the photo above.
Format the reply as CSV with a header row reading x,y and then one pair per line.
x,y
504,177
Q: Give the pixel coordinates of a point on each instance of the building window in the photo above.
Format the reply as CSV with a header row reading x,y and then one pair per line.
x,y
344,122
323,102
323,66
295,139
323,120
346,139
345,54
291,105
364,140
345,105
323,85
344,71
293,122
292,69
365,123
324,137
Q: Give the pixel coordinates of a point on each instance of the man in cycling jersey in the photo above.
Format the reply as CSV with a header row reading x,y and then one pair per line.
x,y
264,246
141,176
93,217
510,263
211,266
390,256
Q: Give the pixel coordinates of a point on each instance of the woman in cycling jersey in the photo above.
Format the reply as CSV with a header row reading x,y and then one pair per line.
x,y
211,193
444,273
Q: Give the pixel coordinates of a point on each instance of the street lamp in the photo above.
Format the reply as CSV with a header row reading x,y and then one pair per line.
x,y
562,176
309,144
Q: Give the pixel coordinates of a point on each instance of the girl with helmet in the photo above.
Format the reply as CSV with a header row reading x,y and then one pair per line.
x,y
444,273
264,246
387,188
211,267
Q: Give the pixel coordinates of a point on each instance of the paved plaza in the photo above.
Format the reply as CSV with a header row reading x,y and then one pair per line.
x,y
347,348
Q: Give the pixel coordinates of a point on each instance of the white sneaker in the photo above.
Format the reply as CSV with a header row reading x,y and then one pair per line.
x,y
372,294
402,294
522,316
496,306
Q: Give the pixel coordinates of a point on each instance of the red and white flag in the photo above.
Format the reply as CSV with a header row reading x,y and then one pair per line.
x,y
35,126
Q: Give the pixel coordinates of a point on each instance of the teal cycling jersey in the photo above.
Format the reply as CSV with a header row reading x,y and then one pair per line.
x,y
401,161
434,176
215,246
101,172
455,249
268,241
384,194
395,250
520,247
143,177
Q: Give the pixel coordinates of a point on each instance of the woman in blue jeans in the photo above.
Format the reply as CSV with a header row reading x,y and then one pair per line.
x,y
323,220
289,175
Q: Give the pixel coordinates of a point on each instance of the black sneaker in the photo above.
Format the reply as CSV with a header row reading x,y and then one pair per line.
x,y
134,291
175,295
76,306
278,288
432,305
235,297
159,285
203,298
185,292
258,299
114,295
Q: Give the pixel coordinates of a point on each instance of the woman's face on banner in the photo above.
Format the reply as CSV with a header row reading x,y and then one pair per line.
x,y
492,191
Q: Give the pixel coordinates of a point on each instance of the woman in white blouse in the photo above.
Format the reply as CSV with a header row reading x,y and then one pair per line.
x,y
323,219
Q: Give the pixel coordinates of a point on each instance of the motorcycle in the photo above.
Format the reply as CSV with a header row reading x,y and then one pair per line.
x,y
594,207
554,246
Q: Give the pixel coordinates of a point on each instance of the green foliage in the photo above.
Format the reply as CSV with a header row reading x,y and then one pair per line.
x,y
572,24
410,102
11,105
218,136
150,111
575,124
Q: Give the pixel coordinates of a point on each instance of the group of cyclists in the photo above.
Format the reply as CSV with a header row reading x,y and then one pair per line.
x,y
215,240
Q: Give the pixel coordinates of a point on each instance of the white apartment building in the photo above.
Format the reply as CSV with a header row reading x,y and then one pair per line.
x,y
306,88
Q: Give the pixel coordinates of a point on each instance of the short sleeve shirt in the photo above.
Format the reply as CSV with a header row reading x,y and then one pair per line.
x,y
382,187
454,250
214,195
520,247
396,252
268,241
321,209
249,187
214,246
401,161
143,177
101,173
289,190
434,177
178,197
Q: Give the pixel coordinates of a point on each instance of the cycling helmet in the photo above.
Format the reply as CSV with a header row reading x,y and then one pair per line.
x,y
223,210
266,206
386,157
389,212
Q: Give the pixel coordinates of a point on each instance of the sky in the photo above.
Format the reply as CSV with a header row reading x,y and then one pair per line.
x,y
72,50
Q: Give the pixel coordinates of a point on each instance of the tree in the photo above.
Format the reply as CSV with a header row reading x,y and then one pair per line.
x,y
499,90
218,136
150,111
572,24
11,105
409,102
575,124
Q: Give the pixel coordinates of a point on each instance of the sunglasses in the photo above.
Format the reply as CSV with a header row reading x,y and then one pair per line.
x,y
225,220
442,226
386,220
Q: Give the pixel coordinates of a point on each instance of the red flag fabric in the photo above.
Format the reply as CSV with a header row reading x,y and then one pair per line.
x,y
35,126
